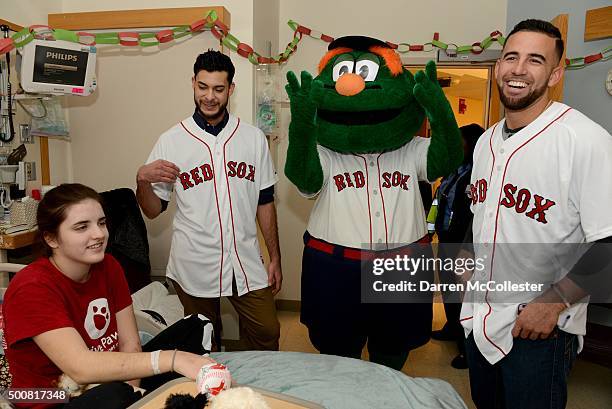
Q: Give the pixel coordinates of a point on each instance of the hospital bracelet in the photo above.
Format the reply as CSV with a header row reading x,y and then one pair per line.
x,y
155,362
173,356
560,294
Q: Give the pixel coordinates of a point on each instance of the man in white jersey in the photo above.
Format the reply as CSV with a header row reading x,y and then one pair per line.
x,y
223,178
536,180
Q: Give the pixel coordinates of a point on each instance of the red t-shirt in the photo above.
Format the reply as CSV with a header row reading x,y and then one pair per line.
x,y
40,298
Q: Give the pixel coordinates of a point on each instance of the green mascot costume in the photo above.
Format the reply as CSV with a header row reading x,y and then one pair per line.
x,y
352,146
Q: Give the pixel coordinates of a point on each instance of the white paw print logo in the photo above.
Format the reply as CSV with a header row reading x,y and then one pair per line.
x,y
98,318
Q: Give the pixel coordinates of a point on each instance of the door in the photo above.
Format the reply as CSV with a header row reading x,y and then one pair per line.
x,y
556,92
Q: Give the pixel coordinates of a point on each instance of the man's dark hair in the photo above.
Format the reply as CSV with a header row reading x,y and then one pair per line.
x,y
214,61
544,27
470,134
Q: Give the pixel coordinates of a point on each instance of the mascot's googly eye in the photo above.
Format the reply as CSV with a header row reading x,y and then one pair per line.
x,y
366,69
341,68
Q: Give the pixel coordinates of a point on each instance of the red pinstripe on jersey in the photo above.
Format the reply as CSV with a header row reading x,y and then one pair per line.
x,y
216,201
382,197
492,153
231,206
484,323
365,164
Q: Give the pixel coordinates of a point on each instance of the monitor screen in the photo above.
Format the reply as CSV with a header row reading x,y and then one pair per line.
x,y
60,66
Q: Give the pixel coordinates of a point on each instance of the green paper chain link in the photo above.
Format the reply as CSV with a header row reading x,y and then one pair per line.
x,y
230,41
65,35
107,38
147,39
22,37
181,31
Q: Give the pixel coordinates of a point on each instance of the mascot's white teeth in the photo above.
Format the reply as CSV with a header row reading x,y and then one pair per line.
x,y
517,84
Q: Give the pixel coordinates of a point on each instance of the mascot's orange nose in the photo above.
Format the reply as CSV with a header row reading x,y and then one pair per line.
x,y
350,84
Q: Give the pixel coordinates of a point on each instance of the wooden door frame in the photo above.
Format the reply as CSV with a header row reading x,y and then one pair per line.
x,y
561,22
492,97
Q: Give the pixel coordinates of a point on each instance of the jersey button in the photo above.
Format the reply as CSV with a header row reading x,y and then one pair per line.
x,y
377,214
371,163
502,150
380,240
375,191
499,168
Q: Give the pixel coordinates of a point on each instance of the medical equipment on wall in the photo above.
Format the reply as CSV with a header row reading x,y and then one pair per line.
x,y
47,117
7,128
11,175
57,67
266,99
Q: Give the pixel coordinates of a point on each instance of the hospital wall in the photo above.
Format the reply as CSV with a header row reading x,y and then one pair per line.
x,y
107,154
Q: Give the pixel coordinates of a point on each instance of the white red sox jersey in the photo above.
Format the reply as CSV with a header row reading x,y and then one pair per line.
x,y
371,201
548,184
214,230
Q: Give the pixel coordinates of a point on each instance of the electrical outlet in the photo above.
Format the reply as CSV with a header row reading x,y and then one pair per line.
x,y
24,134
30,168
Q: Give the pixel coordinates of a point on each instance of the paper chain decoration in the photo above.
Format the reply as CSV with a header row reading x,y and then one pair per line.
x,y
221,32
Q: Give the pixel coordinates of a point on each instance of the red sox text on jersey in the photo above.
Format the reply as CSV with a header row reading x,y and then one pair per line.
x,y
514,198
358,180
204,173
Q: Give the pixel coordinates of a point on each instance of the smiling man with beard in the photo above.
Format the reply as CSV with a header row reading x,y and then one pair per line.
x,y
222,175
536,179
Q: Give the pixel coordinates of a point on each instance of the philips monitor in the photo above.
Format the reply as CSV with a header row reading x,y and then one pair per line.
x,y
58,67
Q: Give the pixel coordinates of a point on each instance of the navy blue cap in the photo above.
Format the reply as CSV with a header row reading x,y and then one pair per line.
x,y
361,43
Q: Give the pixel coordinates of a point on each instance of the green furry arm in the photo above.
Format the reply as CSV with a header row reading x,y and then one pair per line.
x,y
445,152
303,166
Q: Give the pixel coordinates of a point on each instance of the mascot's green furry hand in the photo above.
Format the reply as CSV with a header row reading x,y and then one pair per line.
x,y
427,90
445,152
308,176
